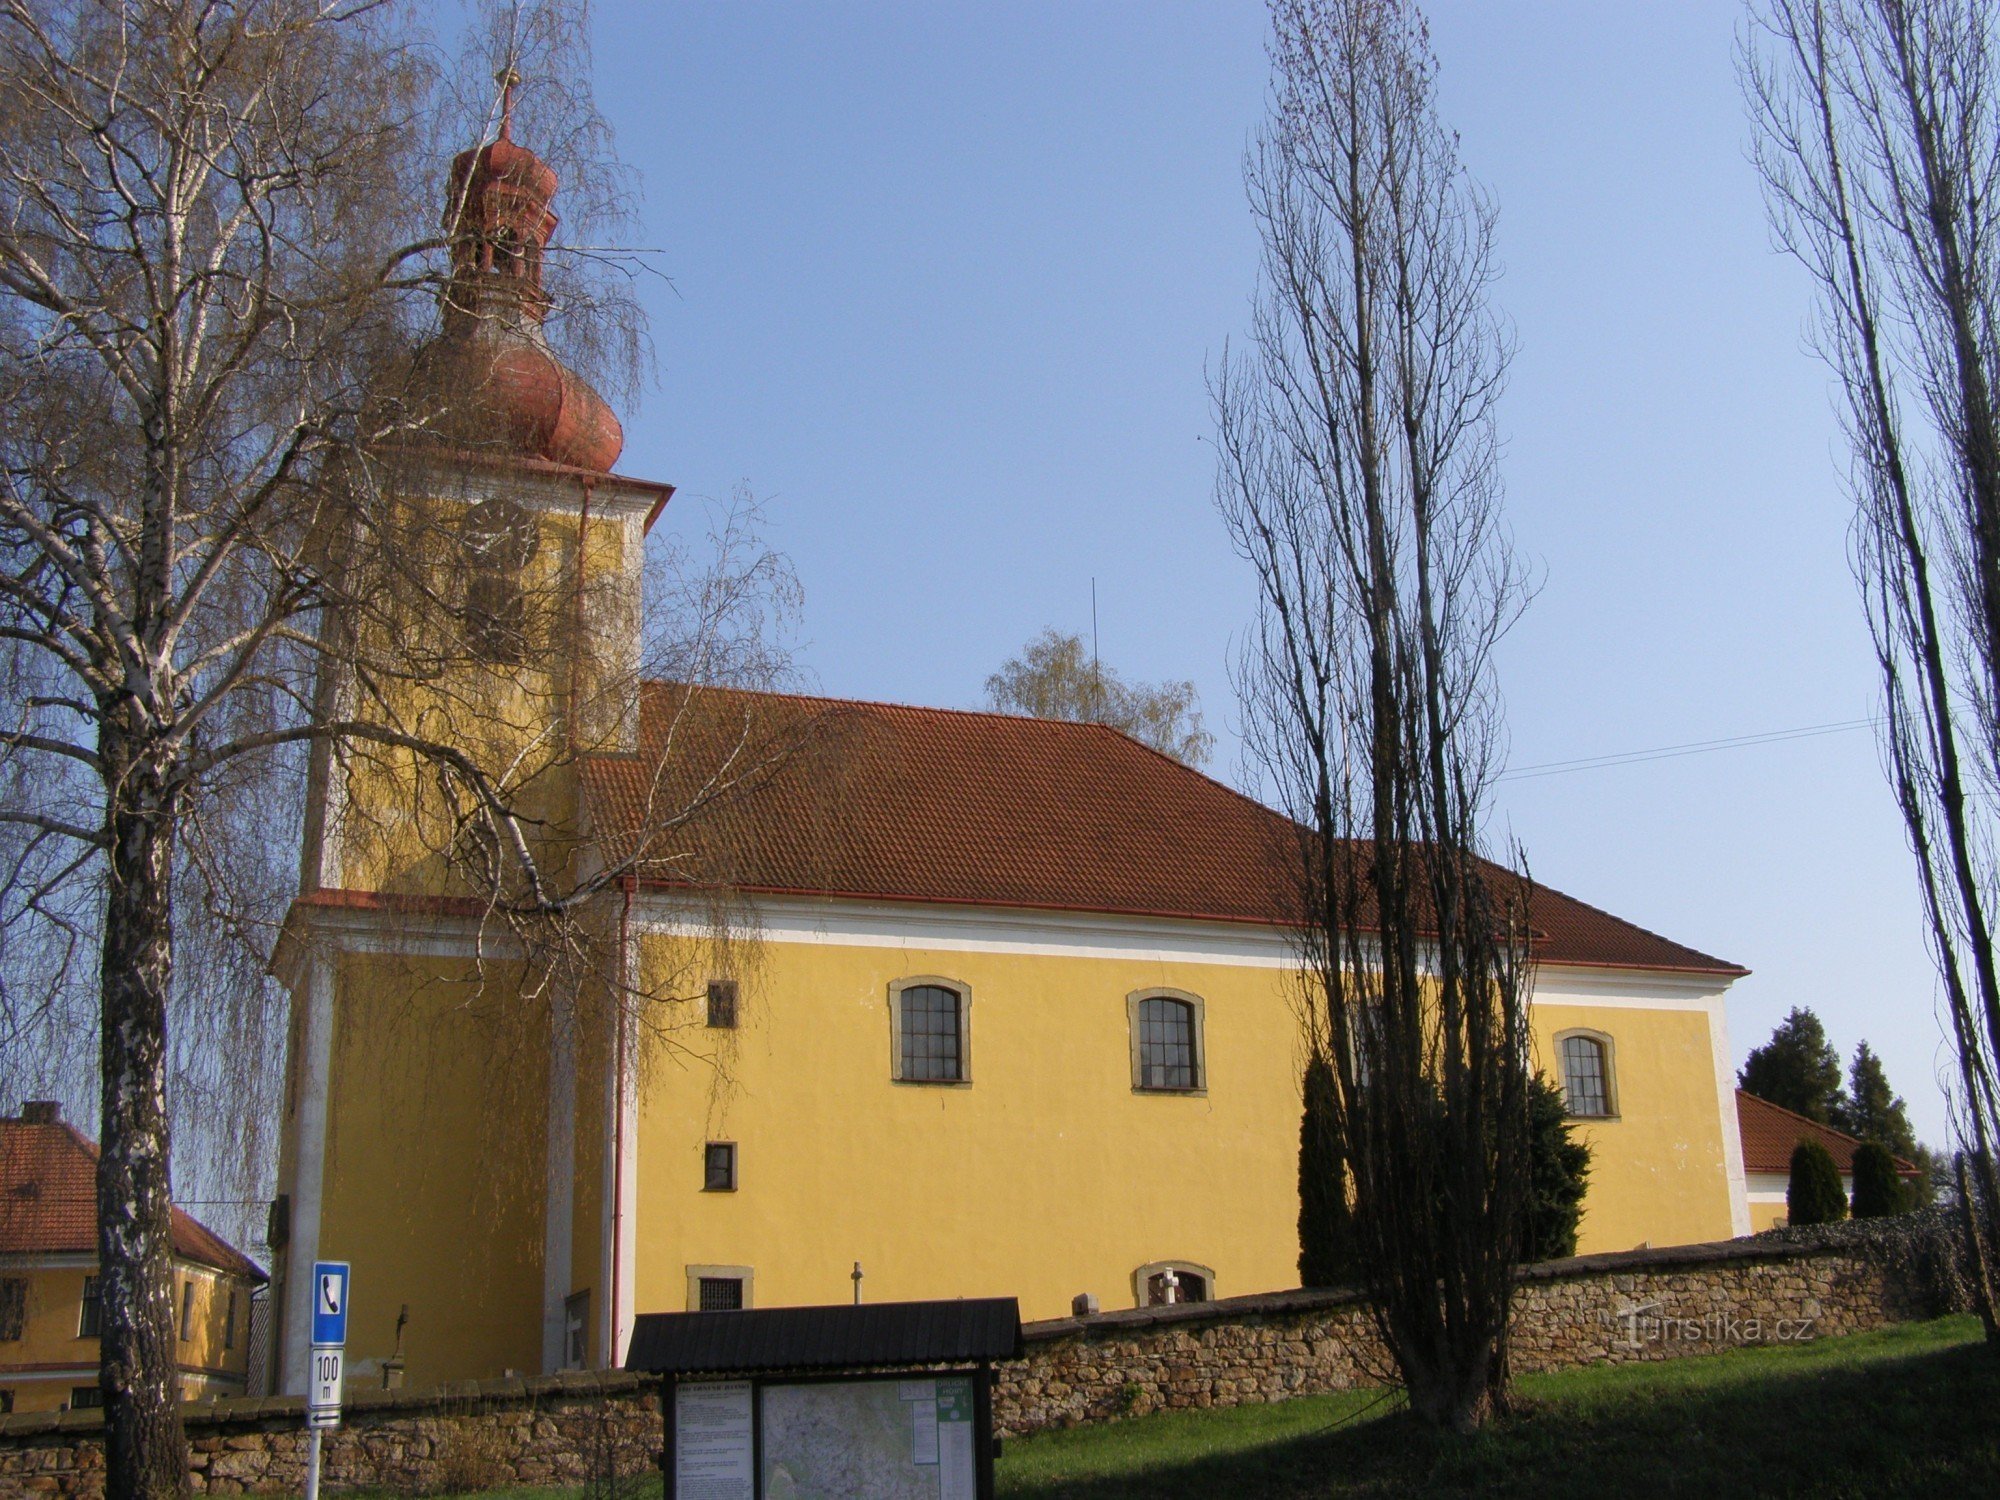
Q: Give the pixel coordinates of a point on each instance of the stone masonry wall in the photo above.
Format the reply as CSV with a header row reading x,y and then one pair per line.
x,y
1643,1305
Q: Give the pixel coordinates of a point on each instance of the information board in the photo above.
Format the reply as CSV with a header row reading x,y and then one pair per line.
x,y
886,1439
714,1441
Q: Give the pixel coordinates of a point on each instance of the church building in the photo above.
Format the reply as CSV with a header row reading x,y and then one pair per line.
x,y
936,1003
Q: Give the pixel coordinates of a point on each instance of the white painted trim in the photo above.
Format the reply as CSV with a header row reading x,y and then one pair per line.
x,y
1732,1133
559,1193
965,929
308,1172
620,1230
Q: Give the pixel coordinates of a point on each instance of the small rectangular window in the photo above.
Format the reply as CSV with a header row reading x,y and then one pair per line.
x,y
13,1308
576,1330
187,1310
92,1316
721,1294
719,1167
85,1398
6,1402
722,1004
229,1322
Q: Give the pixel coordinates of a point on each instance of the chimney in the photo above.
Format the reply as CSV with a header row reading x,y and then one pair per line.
x,y
41,1112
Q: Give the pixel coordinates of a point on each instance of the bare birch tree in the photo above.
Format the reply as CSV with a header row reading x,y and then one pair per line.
x,y
1878,137
1358,476
221,264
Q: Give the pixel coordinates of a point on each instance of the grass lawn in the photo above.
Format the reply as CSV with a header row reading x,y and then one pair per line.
x,y
1912,1410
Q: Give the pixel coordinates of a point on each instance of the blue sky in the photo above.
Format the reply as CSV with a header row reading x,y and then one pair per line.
x,y
946,280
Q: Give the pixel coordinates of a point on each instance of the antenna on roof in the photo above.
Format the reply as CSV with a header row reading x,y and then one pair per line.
x,y
1096,673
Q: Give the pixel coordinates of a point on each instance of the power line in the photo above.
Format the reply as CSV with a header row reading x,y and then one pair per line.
x,y
1693,747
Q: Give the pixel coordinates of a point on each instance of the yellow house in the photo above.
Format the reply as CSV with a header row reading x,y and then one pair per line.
x,y
931,1004
48,1278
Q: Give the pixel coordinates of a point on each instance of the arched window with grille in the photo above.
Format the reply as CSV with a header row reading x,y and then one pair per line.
x,y
1588,1084
1161,1282
1167,1046
929,1028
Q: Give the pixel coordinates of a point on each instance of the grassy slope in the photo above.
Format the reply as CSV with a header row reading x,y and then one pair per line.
x,y
1911,1410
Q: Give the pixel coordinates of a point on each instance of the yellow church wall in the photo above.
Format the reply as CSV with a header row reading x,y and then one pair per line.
x,y
1658,1169
1044,1177
1048,1175
435,1166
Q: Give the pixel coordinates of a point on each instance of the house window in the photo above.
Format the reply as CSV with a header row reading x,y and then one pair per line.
x,y
229,1322
929,1018
85,1398
1586,1074
722,1004
1173,1281
719,1167
187,1310
6,1402
576,1335
1166,1041
92,1316
13,1308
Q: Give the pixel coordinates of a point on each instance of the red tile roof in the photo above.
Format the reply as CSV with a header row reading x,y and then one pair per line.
x,y
1771,1133
875,801
48,1201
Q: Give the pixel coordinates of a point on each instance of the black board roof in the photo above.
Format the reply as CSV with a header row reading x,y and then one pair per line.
x,y
873,1335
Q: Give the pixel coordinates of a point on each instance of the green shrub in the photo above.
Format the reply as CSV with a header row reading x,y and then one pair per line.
x,y
1327,1252
1558,1174
1814,1194
1878,1191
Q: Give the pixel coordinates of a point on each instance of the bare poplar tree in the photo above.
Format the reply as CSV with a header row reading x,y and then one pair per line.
x,y
222,279
1878,137
1358,477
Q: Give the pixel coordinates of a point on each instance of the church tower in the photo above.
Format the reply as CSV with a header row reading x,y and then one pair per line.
x,y
400,988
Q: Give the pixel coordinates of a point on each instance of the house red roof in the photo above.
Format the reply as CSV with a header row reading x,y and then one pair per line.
x,y
48,1201
881,802
1771,1133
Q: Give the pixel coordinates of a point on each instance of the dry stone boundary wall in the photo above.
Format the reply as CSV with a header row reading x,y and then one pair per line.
x,y
570,1429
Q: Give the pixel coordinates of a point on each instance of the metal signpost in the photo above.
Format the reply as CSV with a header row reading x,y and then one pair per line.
x,y
329,1347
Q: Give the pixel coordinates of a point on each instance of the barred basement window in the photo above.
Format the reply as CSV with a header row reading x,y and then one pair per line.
x,y
721,1294
722,1004
88,1321
85,1398
719,1167
1586,1074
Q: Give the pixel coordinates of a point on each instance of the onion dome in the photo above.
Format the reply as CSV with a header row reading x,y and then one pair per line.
x,y
499,380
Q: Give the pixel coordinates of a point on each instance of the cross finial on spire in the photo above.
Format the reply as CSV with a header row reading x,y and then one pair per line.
x,y
509,80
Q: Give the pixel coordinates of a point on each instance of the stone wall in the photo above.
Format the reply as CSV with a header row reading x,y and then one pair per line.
x,y
572,1429
558,1429
1641,1305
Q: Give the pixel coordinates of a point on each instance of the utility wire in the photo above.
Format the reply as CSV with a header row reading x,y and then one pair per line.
x,y
1693,747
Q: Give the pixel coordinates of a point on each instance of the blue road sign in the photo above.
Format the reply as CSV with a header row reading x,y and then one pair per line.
x,y
329,1302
